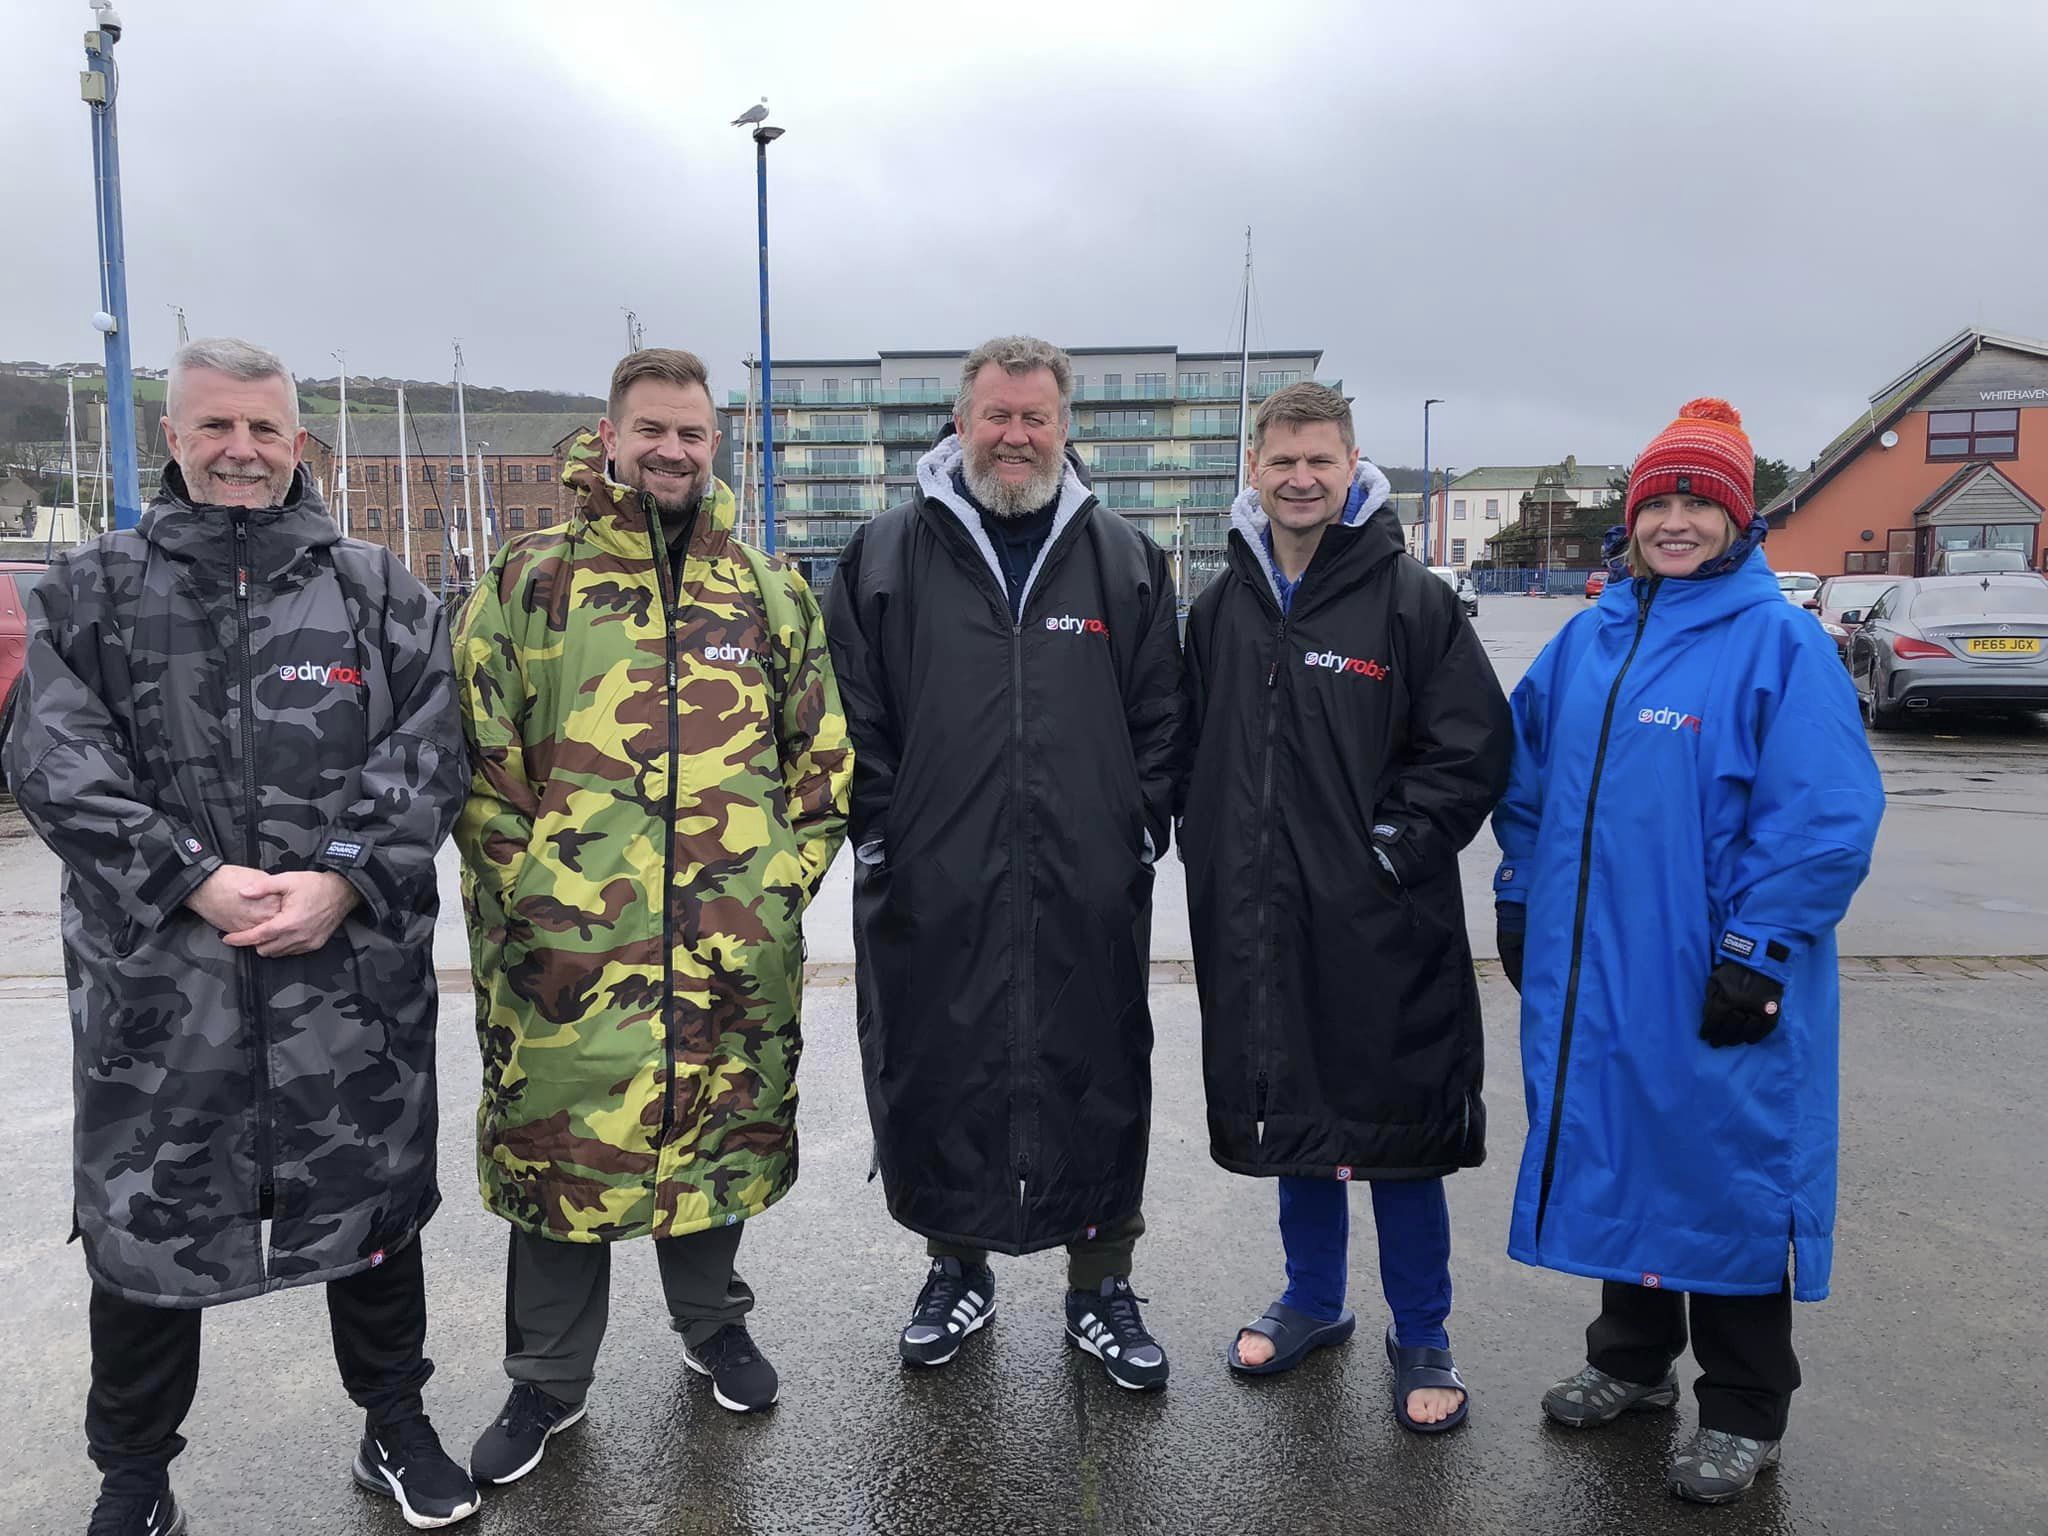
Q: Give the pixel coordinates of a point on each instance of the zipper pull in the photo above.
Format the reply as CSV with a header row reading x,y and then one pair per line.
x,y
241,558
1273,672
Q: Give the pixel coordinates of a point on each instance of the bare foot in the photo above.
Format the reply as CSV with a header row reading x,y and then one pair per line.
x,y
1429,1405
1257,1349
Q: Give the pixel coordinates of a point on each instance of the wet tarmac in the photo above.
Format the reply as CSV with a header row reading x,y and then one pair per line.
x,y
1925,1373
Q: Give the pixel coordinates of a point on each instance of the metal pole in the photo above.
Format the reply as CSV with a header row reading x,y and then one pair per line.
x,y
462,458
341,445
1244,363
71,437
99,86
1428,512
763,136
485,494
404,484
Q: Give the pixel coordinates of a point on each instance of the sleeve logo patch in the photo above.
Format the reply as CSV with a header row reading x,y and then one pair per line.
x,y
1386,831
340,848
194,847
1736,944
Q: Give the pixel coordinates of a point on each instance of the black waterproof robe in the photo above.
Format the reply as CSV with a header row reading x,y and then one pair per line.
x,y
1340,1016
1013,781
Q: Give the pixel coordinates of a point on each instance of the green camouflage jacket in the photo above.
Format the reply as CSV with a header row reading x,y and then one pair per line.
x,y
660,781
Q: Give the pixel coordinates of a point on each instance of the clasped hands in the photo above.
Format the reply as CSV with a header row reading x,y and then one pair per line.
x,y
293,913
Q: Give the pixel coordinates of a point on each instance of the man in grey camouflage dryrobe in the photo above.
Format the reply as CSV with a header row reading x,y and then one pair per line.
x,y
238,733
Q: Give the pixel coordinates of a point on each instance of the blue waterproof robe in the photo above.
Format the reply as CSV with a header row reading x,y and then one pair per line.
x,y
1691,784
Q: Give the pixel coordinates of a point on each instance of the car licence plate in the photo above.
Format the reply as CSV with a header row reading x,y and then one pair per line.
x,y
2003,645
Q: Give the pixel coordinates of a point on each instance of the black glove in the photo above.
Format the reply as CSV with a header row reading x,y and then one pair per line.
x,y
1510,941
1742,1005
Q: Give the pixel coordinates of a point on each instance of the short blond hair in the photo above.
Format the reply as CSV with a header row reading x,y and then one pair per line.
x,y
672,365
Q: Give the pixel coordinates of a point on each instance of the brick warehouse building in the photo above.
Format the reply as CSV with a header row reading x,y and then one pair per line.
x,y
1952,454
522,468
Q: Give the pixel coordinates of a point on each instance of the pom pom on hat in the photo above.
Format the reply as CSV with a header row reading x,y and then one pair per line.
x,y
1703,453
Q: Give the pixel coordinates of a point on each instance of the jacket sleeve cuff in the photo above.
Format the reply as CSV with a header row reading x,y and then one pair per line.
x,y
173,881
1397,851
1508,889
350,855
1767,951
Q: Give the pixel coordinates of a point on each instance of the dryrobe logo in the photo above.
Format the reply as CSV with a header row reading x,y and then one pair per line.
x,y
1670,719
1067,624
327,677
1350,665
728,653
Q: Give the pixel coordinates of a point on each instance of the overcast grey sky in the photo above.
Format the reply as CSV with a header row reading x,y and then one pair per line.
x,y
1564,217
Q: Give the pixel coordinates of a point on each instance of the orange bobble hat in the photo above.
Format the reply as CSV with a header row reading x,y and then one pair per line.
x,y
1703,453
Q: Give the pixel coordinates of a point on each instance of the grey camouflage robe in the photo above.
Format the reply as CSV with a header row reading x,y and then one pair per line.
x,y
249,688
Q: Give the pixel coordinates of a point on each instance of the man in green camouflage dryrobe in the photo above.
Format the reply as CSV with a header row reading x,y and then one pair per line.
x,y
660,778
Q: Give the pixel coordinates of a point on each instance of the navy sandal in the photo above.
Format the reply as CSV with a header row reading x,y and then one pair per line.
x,y
1422,1367
1294,1335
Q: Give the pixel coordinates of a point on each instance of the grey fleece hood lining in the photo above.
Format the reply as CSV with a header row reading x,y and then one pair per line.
x,y
935,479
1249,518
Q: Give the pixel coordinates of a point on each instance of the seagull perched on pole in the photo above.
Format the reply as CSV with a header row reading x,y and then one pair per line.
x,y
753,114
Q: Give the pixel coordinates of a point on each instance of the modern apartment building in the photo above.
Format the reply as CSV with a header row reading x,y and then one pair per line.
x,y
1157,428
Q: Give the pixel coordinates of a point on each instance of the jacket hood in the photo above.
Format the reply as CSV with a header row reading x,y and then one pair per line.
x,y
611,509
935,483
1370,491
280,539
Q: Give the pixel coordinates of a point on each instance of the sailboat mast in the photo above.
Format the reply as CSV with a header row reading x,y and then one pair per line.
x,y
1244,362
341,446
462,458
71,437
404,485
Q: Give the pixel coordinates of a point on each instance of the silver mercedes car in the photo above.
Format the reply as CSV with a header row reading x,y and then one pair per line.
x,y
1953,643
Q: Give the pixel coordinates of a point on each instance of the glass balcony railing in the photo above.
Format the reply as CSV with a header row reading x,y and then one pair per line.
x,y
1222,391
798,469
825,435
1088,429
910,432
1101,392
922,395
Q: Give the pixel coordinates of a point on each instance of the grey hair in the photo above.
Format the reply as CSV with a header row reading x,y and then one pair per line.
x,y
1016,355
238,360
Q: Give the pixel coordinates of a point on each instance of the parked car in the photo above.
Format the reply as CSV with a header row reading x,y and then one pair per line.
x,y
17,579
1975,562
1953,643
1841,603
1462,584
1596,583
1798,586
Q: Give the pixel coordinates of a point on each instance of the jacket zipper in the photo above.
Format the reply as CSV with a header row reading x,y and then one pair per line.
x,y
668,842
1261,1005
1644,598
259,1017
1020,903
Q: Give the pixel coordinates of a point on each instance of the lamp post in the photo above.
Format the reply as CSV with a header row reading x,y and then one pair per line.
x,y
755,118
1426,513
98,86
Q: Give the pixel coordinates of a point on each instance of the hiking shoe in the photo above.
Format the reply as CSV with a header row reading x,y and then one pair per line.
x,y
404,1461
513,1446
1108,1325
741,1377
1717,1468
1593,1397
956,1300
137,1514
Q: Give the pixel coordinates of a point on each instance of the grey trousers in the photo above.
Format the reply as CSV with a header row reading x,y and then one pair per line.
x,y
558,1299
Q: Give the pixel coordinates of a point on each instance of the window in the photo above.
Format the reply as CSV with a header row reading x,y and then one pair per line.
x,y
1194,386
433,567
1458,507
426,474
457,473
374,519
1865,562
372,473
514,473
515,519
543,472
1973,434
431,518
1278,378
832,389
1212,456
789,392
1211,493
1127,493
835,461
1457,551
1124,423
1493,508
1212,421
1571,551
1151,386
1112,386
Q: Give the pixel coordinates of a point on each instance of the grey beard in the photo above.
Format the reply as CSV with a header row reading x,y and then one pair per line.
x,y
1004,500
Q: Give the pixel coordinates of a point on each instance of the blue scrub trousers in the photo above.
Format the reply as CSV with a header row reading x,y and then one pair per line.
x,y
1414,1223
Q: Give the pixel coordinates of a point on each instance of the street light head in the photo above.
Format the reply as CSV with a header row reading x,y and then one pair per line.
x,y
766,135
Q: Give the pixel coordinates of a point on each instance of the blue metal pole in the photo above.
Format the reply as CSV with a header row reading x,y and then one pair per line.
x,y
100,86
1426,512
767,373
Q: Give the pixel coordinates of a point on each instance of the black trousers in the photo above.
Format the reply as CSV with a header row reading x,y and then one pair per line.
x,y
1748,1372
145,1364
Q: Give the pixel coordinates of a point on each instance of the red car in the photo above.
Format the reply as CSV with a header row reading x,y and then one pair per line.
x,y
17,578
1596,583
